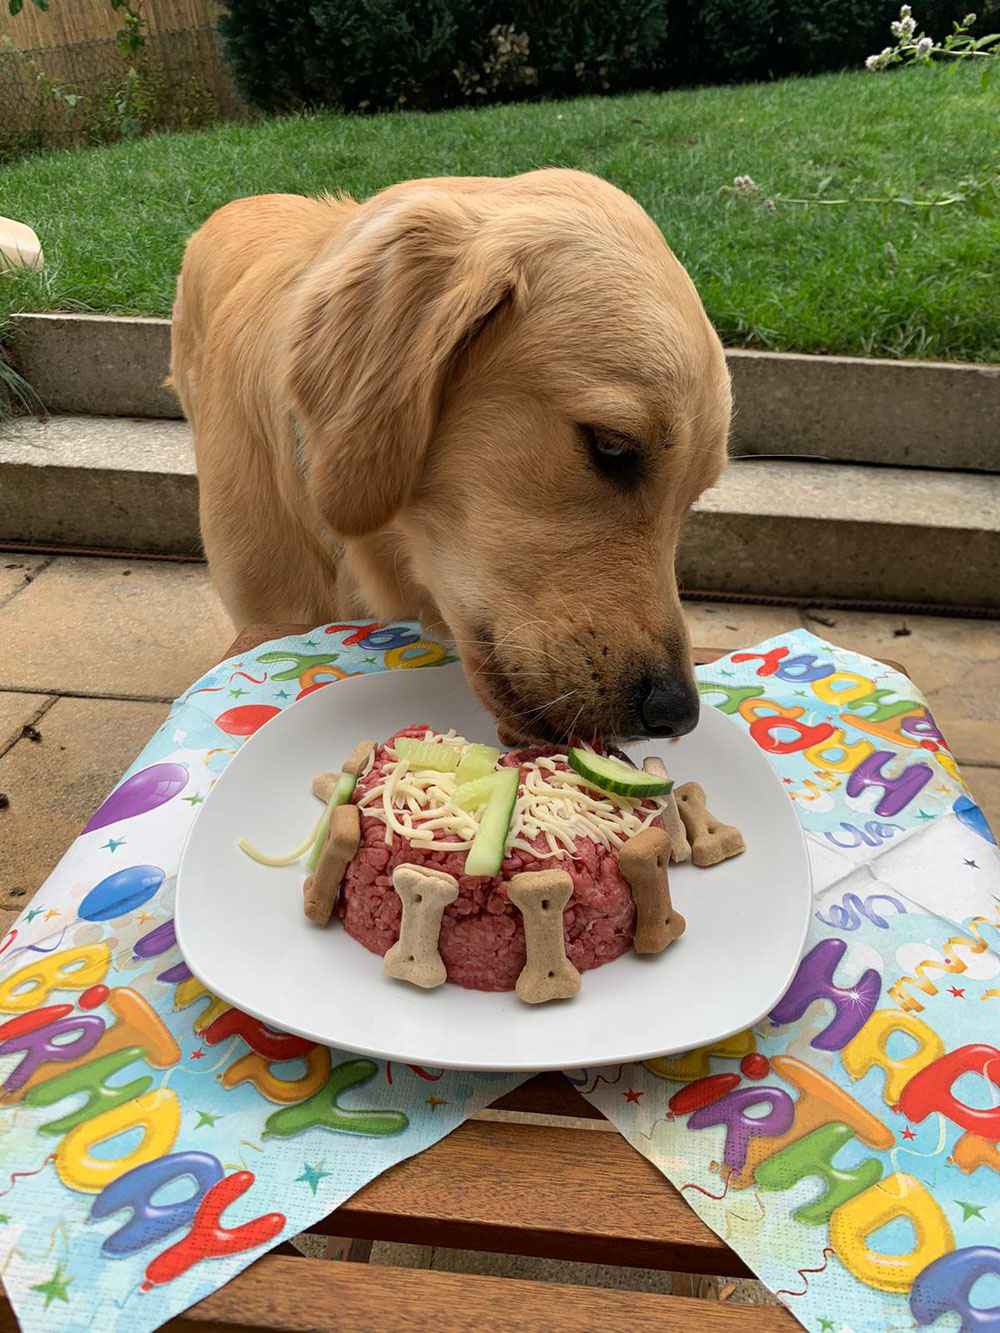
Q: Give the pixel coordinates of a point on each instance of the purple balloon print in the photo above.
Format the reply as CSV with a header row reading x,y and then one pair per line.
x,y
157,941
143,791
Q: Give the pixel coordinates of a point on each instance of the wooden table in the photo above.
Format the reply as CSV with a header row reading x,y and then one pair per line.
x,y
506,1180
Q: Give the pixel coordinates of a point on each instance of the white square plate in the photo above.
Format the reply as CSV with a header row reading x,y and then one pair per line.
x,y
242,932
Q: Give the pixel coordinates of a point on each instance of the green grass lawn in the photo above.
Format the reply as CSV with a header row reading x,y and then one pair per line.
x,y
912,282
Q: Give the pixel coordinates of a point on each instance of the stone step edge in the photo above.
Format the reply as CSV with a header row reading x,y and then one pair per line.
x,y
897,413
777,527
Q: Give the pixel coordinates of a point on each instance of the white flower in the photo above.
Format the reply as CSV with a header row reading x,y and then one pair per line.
x,y
872,63
924,46
745,184
905,11
968,21
768,205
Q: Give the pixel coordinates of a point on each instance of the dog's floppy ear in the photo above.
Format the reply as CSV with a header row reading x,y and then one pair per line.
x,y
379,325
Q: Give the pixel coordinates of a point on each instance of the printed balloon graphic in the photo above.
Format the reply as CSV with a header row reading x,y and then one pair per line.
x,y
245,719
973,818
142,792
120,893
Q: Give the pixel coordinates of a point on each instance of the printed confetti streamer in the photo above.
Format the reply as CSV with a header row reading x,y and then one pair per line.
x,y
156,1141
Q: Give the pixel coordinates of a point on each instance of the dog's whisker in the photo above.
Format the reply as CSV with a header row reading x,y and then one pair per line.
x,y
538,712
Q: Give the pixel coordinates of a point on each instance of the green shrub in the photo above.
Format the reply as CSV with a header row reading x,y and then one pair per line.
x,y
350,53
720,41
590,47
373,54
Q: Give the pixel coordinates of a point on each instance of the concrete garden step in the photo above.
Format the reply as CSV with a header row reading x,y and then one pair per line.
x,y
772,526
900,413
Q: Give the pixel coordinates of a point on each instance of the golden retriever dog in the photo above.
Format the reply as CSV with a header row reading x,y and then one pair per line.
x,y
486,404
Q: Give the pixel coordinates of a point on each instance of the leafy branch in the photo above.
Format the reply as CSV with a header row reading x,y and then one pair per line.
x,y
913,47
983,196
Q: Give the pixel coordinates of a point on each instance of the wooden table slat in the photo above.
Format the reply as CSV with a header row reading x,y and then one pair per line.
x,y
310,1296
547,1094
533,1189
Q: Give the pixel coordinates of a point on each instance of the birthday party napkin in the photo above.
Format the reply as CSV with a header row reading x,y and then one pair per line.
x,y
847,1146
153,1140
156,1141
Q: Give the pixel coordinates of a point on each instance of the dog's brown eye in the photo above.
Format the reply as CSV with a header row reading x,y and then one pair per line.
x,y
614,457
609,448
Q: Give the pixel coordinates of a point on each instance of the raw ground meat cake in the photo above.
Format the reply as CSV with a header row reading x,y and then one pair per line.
x,y
482,937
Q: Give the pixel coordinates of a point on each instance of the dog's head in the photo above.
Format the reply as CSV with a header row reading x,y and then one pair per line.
x,y
517,381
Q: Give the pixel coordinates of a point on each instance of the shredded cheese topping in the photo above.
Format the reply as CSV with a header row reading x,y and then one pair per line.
x,y
553,801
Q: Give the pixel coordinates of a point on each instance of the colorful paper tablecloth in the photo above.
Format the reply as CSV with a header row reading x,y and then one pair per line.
x,y
156,1141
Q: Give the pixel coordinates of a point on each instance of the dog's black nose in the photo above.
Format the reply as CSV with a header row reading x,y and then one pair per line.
x,y
668,706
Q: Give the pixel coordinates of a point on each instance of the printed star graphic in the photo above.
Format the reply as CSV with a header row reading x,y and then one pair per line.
x,y
113,844
235,694
35,911
311,643
908,1133
434,1102
942,790
282,694
51,913
959,993
197,1053
4,1218
632,1096
922,814
55,1288
725,673
193,800
788,782
312,1175
826,1326
801,694
371,661
973,864
144,917
970,1209
206,1118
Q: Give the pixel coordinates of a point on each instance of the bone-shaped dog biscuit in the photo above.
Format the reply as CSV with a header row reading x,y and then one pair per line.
x,y
357,760
680,848
711,840
320,890
355,764
424,893
323,785
643,860
548,974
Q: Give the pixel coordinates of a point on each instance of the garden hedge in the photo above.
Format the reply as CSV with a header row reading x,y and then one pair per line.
x,y
376,54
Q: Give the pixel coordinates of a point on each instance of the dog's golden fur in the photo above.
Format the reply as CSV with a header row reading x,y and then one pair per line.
x,y
394,407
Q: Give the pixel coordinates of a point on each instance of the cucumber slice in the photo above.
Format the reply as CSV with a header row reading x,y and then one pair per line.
x,y
471,795
427,754
342,793
614,776
485,856
478,761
